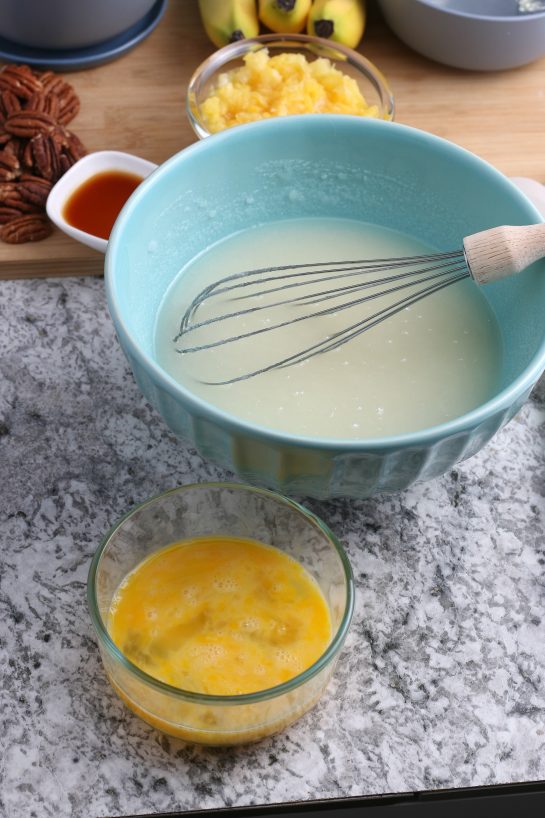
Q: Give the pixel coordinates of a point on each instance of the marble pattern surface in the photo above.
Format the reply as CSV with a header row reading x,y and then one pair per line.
x,y
442,679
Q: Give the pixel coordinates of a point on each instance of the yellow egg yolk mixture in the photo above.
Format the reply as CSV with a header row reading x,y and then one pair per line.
x,y
283,84
221,616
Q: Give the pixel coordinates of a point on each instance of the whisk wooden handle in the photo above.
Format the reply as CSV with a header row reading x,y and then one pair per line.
x,y
502,251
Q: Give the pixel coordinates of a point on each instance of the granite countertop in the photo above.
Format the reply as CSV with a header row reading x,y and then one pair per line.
x,y
442,679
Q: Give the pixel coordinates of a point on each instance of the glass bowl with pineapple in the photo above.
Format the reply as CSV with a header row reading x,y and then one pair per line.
x,y
281,74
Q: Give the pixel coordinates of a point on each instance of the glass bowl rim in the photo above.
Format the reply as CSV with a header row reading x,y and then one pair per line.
x,y
323,660
219,59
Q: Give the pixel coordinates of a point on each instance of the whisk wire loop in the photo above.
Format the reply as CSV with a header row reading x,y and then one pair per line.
x,y
447,266
442,271
489,255
342,337
355,267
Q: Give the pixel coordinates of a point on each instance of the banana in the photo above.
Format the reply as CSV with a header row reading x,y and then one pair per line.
x,y
226,21
284,16
342,21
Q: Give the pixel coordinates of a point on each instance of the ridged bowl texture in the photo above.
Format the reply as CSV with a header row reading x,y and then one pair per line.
x,y
340,166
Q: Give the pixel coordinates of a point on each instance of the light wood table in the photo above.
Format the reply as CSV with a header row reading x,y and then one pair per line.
x,y
137,104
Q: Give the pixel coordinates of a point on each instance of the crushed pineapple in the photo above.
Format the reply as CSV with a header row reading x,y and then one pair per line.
x,y
284,84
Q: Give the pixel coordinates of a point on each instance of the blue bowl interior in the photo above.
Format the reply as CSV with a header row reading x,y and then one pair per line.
x,y
341,166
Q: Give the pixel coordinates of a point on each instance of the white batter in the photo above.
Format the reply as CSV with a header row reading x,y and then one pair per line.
x,y
431,362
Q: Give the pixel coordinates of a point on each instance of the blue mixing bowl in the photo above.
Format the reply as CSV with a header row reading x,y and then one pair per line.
x,y
341,166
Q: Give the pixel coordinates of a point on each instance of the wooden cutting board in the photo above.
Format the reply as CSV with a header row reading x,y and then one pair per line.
x,y
137,104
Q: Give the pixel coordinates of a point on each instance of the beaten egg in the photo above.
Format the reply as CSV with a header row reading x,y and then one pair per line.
x,y
221,616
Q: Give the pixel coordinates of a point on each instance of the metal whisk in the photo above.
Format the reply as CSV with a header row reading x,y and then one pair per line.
x,y
486,256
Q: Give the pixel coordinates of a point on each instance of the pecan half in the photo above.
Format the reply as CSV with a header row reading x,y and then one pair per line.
x,y
33,189
27,157
20,80
7,189
7,175
24,69
15,146
50,82
29,123
23,197
8,214
45,154
66,162
9,160
10,196
44,104
9,104
56,87
67,142
68,108
34,227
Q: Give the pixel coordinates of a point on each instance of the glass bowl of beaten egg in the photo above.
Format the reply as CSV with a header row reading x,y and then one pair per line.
x,y
281,74
220,610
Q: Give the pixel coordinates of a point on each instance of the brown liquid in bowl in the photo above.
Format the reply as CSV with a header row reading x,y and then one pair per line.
x,y
95,205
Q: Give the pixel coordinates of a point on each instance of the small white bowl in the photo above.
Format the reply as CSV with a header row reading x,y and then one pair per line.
x,y
84,169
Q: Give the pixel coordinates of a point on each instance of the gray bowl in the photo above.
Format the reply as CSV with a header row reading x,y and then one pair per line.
x,y
480,35
68,24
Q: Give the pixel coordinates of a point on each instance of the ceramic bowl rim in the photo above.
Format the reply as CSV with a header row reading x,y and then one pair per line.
x,y
323,660
424,437
493,18
77,175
